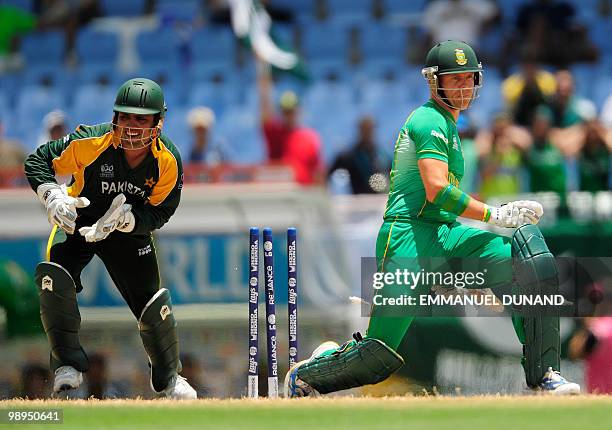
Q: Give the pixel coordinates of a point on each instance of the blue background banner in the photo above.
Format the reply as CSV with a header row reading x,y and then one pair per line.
x,y
196,268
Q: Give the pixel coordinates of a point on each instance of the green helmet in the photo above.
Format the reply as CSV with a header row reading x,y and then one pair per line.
x,y
451,56
140,96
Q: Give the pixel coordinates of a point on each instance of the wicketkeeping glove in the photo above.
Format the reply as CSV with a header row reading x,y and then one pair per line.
x,y
118,217
61,208
516,214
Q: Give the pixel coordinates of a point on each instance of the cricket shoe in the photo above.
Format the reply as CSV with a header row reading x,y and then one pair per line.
x,y
67,378
178,389
294,386
554,383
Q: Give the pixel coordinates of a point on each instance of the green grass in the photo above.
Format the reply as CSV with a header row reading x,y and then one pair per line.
x,y
414,413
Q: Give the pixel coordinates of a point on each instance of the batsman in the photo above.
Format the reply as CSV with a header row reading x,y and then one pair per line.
x,y
420,224
126,180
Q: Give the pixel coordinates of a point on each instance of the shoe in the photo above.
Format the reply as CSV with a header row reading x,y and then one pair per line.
x,y
294,386
556,384
179,389
67,378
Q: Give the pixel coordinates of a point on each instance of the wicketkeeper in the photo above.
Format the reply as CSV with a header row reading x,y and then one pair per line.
x,y
420,222
126,182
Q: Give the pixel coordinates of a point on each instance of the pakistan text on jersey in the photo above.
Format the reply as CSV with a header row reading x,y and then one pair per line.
x,y
112,187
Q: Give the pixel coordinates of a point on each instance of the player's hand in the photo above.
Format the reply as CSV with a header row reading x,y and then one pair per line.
x,y
516,214
118,217
61,208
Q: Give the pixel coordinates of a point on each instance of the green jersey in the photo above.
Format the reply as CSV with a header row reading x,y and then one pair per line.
x,y
429,132
100,172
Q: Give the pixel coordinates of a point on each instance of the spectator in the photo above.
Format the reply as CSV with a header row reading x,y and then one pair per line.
x,y
192,371
527,89
593,343
287,141
367,165
500,157
201,120
606,112
545,162
467,134
54,126
14,22
12,153
568,109
34,381
548,27
458,19
66,15
594,158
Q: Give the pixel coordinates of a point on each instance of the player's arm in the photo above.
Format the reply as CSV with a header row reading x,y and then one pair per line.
x,y
432,148
41,166
54,157
450,198
264,87
440,192
165,196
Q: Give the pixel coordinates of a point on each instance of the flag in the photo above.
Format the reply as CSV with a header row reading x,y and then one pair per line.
x,y
252,25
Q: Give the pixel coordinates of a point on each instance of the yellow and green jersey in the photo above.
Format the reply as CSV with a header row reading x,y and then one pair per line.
x,y
429,132
100,172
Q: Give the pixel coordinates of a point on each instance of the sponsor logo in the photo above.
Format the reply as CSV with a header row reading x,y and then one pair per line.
x,y
47,283
180,185
460,57
455,144
268,246
144,251
434,133
114,187
164,312
107,171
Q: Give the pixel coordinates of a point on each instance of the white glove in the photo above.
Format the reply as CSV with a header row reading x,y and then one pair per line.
x,y
118,217
61,208
516,214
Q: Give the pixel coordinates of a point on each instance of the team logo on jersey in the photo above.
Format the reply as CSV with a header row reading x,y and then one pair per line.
x,y
149,182
460,57
107,171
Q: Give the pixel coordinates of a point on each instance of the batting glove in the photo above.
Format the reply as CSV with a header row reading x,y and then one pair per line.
x,y
61,208
118,217
516,214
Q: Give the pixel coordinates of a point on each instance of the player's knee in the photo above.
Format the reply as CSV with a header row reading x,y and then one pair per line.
x,y
532,261
53,277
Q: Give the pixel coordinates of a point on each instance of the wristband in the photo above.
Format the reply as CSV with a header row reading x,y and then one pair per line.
x,y
452,199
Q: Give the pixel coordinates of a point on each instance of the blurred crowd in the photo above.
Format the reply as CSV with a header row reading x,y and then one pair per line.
x,y
540,133
34,381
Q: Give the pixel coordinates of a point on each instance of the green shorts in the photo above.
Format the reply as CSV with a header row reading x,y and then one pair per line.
x,y
421,245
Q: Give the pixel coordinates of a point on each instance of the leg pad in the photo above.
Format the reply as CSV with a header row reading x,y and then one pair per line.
x,y
368,361
59,313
